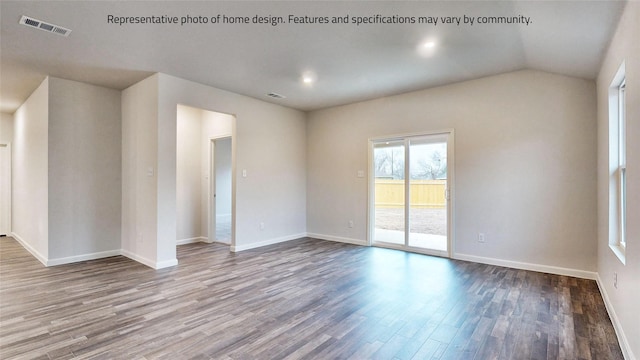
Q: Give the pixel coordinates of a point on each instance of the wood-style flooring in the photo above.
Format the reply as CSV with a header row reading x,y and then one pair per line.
x,y
304,299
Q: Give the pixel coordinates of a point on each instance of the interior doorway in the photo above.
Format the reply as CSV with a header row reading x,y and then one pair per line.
x,y
220,186
5,189
410,200
204,176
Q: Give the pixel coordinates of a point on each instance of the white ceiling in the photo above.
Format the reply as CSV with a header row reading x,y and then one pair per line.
x,y
351,63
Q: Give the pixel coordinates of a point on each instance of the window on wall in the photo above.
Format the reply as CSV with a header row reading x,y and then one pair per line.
x,y
622,165
618,165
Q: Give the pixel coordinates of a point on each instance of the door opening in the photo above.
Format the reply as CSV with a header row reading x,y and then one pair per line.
x,y
220,190
410,202
5,189
204,176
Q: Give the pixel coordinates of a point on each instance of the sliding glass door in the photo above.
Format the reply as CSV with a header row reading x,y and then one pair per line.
x,y
410,197
389,160
428,192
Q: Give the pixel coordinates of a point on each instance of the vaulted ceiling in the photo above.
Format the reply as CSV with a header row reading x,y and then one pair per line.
x,y
346,62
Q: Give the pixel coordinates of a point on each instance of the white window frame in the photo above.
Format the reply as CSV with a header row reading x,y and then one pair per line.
x,y
617,165
622,165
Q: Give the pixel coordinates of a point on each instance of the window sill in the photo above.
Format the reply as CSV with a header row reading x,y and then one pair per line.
x,y
619,251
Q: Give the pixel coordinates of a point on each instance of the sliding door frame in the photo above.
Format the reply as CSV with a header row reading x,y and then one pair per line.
x,y
450,191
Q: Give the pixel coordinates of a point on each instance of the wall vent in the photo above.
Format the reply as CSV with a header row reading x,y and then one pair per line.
x,y
275,96
41,25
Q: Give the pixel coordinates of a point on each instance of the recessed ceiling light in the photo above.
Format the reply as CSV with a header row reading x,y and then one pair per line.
x,y
309,77
427,48
429,44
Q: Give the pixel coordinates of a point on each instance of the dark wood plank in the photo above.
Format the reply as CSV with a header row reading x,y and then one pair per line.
x,y
298,300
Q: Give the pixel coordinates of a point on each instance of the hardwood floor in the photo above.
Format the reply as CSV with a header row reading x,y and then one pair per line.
x,y
306,299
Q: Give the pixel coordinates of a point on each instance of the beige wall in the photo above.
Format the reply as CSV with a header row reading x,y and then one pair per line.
x,y
622,301
6,128
270,143
66,172
84,170
6,137
524,165
188,174
30,193
139,170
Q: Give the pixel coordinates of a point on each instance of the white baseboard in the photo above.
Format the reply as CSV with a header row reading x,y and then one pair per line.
x,y
192,240
338,239
218,242
528,266
29,248
166,264
141,259
236,248
622,339
83,257
150,263
92,256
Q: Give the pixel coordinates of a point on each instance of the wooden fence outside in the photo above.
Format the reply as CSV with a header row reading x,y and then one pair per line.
x,y
425,194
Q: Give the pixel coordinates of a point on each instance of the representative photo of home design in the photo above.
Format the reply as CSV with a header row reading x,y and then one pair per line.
x,y
320,180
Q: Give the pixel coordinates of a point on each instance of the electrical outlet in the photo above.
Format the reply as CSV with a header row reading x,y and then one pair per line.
x,y
350,224
261,226
615,280
481,238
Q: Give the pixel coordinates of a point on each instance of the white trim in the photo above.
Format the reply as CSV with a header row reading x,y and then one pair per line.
x,y
338,239
211,200
615,214
6,204
622,339
528,266
223,135
30,249
83,257
217,242
619,251
412,249
449,137
371,185
92,256
138,258
412,134
451,192
192,240
201,239
211,204
166,264
235,248
150,263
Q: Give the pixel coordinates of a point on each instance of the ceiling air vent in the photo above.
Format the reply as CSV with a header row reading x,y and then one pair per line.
x,y
41,25
275,96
